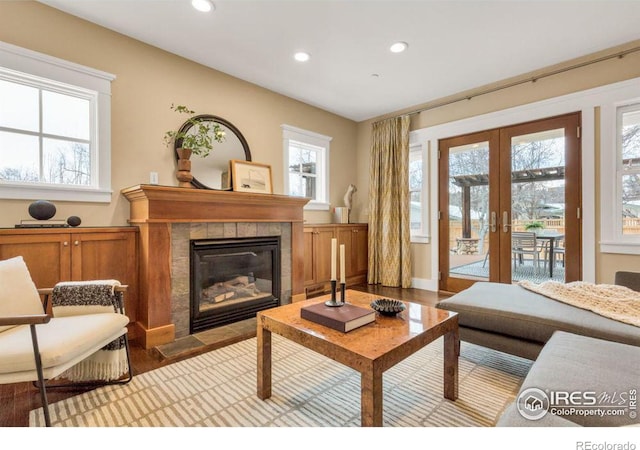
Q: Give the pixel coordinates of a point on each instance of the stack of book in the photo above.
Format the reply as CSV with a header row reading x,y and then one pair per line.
x,y
342,318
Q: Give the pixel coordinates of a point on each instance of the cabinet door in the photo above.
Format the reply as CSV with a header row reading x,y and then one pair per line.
x,y
346,238
322,253
360,250
106,256
309,276
47,256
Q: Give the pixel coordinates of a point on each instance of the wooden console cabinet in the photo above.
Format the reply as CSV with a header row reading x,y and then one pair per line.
x,y
77,254
317,255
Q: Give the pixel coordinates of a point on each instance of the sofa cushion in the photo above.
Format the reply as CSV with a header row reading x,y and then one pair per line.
x,y
18,294
573,363
511,310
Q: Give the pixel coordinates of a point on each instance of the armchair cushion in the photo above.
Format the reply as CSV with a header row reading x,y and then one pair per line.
x,y
18,293
62,341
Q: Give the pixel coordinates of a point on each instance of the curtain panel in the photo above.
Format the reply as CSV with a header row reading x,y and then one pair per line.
x,y
389,232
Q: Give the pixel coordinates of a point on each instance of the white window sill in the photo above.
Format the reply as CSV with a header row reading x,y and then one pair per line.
x,y
620,247
317,206
420,239
26,192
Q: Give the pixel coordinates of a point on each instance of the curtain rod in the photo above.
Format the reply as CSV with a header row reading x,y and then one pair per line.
x,y
618,55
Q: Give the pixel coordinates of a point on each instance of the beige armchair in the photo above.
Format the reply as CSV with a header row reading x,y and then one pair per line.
x,y
37,347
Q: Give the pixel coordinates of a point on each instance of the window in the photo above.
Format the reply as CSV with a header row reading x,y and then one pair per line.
x,y
417,204
415,189
54,128
44,135
628,170
306,156
620,165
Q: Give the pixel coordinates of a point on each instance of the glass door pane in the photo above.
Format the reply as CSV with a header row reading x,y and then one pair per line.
x,y
469,211
538,206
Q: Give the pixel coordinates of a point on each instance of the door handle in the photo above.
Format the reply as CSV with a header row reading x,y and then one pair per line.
x,y
505,222
493,221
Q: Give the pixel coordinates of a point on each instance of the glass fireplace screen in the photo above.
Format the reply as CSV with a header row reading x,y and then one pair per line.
x,y
232,279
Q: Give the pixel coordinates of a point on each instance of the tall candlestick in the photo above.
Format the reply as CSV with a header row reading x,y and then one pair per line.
x,y
334,244
342,263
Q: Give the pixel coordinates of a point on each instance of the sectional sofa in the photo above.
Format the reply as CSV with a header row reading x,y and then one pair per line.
x,y
573,349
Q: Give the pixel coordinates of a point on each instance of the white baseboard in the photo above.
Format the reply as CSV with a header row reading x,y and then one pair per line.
x,y
424,283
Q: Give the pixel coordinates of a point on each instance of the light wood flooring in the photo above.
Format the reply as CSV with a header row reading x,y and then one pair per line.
x,y
16,400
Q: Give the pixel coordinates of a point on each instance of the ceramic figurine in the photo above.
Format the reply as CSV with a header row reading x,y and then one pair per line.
x,y
347,197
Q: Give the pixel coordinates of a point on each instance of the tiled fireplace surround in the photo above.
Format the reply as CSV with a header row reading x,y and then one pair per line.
x,y
169,217
183,233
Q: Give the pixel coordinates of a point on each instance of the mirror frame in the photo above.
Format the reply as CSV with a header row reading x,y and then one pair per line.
x,y
230,127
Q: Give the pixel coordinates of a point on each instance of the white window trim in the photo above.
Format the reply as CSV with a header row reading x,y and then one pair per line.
x,y
583,101
414,143
612,238
319,140
44,66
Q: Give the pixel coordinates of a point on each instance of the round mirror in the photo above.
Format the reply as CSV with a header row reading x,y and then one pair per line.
x,y
212,172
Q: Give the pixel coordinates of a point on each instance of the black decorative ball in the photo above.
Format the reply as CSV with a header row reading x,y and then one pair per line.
x,y
74,221
42,210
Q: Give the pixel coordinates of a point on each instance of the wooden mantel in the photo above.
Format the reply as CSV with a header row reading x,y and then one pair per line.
x,y
154,208
152,203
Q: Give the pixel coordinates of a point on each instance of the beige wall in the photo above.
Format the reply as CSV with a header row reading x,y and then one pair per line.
x,y
148,81
587,77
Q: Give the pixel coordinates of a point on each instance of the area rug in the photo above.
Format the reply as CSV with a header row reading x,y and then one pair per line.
x,y
523,272
218,389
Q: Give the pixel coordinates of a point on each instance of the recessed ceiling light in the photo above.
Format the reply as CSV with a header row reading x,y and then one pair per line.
x,y
399,47
302,56
202,5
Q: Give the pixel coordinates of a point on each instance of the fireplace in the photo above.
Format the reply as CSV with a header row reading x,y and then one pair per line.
x,y
232,279
170,217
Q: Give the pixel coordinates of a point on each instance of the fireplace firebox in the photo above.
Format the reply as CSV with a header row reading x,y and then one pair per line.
x,y
232,279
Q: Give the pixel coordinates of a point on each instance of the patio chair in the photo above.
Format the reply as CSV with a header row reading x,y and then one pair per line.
x,y
525,243
59,342
558,252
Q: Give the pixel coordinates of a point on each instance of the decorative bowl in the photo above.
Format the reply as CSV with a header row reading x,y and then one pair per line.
x,y
387,306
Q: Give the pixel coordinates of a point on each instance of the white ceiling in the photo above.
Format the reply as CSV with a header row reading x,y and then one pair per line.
x,y
453,45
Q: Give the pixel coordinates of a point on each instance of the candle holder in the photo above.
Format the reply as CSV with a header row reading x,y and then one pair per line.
x,y
333,302
343,297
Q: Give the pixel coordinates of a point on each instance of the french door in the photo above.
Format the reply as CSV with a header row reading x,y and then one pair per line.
x,y
510,204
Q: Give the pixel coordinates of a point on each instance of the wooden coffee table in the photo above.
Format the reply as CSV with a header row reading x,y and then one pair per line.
x,y
371,349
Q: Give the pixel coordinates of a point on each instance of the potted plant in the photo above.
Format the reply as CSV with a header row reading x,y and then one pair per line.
x,y
534,226
195,137
198,137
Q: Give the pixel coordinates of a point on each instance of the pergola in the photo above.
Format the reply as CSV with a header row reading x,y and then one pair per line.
x,y
466,182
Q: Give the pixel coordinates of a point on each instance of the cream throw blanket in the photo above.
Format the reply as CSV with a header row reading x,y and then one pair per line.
x,y
615,302
71,298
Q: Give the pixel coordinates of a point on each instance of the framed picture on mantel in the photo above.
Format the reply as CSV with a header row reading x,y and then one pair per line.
x,y
247,176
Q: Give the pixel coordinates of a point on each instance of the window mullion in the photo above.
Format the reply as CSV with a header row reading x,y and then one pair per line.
x,y
40,138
